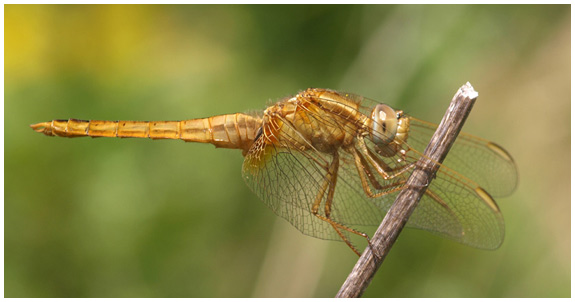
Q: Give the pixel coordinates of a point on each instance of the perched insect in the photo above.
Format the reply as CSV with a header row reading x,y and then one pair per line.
x,y
331,163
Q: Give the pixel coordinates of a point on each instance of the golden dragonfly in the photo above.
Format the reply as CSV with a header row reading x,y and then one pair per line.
x,y
332,163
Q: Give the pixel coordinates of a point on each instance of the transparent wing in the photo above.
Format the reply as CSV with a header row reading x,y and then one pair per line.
x,y
288,177
483,161
288,180
453,206
286,183
458,209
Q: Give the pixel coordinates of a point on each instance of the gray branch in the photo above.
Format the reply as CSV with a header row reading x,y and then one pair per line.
x,y
409,197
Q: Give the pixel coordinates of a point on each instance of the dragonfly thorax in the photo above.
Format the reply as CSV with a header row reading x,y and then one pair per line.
x,y
300,122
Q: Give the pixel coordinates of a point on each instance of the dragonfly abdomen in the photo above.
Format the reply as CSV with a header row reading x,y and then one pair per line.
x,y
234,131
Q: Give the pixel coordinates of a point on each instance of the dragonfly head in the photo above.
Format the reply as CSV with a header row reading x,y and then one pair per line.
x,y
383,129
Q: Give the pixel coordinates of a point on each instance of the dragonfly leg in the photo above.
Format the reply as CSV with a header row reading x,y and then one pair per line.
x,y
364,170
324,187
329,185
332,182
365,174
383,169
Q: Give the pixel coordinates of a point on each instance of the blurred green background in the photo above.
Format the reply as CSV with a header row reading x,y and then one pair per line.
x,y
143,218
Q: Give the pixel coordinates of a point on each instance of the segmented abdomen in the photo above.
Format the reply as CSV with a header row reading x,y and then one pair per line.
x,y
235,131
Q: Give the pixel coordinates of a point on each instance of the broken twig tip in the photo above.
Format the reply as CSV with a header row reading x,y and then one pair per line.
x,y
469,91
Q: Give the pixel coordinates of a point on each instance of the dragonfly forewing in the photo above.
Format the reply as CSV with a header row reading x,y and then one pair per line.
x,y
474,158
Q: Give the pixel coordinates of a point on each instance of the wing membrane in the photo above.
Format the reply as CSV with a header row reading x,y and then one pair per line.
x,y
480,160
288,176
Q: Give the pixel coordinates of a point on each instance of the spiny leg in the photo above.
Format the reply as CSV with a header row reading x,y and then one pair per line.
x,y
329,184
332,181
324,187
365,175
381,168
363,170
394,171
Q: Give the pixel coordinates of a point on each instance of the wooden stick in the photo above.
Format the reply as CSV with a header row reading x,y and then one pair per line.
x,y
409,197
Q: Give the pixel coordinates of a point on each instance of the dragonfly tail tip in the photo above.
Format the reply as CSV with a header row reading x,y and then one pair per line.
x,y
40,127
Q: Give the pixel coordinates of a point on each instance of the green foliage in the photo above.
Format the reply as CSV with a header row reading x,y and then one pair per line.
x,y
142,218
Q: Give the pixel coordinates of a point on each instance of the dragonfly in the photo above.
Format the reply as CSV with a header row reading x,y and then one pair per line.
x,y
332,163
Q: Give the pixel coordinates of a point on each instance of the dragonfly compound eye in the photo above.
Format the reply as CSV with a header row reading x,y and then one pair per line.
x,y
384,125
